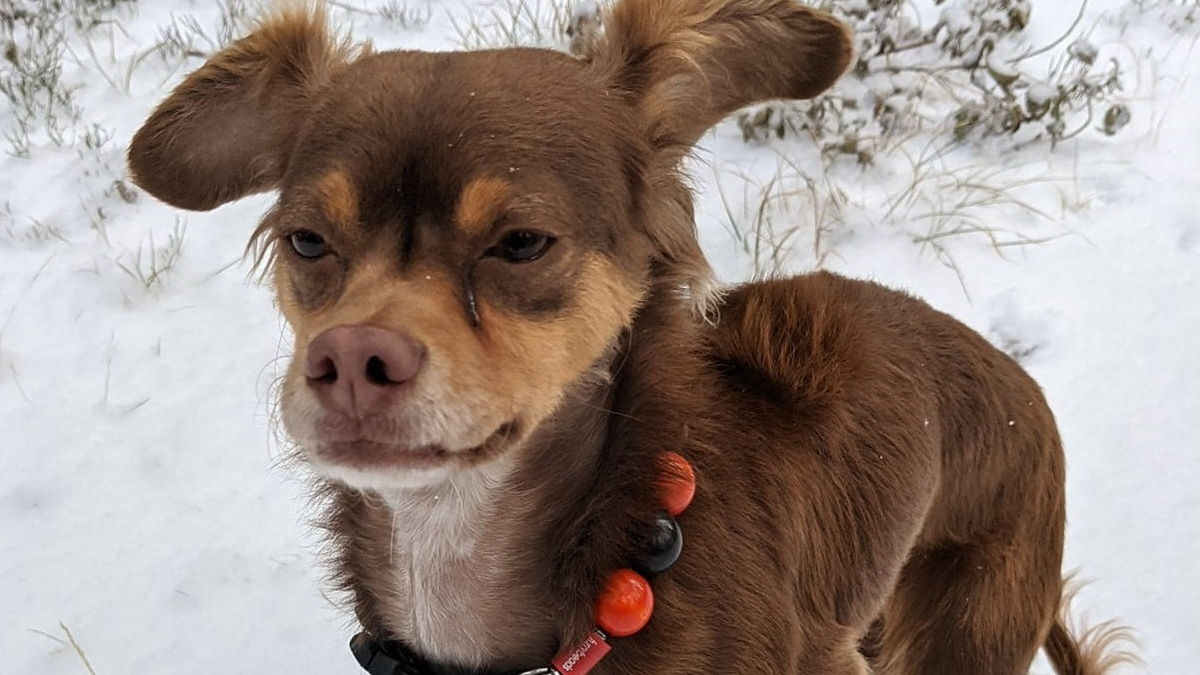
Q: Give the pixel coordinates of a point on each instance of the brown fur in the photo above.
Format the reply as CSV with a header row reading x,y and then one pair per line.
x,y
878,487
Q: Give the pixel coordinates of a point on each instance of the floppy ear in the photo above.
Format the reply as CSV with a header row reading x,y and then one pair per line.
x,y
689,63
226,131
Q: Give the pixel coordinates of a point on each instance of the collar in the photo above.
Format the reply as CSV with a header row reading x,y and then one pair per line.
x,y
393,657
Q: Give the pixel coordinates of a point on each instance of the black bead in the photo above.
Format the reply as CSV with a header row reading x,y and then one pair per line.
x,y
662,546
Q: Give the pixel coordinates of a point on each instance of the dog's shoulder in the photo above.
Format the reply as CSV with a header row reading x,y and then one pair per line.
x,y
815,337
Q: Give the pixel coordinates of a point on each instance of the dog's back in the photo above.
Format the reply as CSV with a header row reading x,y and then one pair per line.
x,y
918,433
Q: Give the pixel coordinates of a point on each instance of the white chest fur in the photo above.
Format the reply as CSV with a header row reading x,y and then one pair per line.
x,y
454,569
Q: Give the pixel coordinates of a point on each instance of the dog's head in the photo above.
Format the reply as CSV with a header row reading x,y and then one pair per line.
x,y
461,237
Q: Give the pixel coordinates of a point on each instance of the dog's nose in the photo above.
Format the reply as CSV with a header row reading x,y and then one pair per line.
x,y
357,370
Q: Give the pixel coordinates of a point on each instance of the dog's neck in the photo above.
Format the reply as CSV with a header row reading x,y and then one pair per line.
x,y
468,588
500,565
459,570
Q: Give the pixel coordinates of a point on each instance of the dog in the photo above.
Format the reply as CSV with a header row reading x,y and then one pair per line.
x,y
503,320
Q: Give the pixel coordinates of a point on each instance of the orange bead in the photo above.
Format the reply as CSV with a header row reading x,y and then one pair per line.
x,y
678,483
625,604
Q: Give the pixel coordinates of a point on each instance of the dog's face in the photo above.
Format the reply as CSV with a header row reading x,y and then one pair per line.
x,y
460,238
451,266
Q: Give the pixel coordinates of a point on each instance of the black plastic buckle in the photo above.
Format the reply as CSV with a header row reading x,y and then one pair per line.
x,y
377,661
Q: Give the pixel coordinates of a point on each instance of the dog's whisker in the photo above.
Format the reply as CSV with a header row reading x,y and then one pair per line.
x,y
610,411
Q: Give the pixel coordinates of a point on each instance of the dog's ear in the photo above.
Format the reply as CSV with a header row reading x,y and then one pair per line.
x,y
689,63
226,131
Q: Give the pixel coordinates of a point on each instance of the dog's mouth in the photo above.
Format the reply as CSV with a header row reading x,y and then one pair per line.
x,y
366,453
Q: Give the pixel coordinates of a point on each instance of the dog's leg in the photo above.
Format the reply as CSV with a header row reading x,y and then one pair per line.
x,y
971,609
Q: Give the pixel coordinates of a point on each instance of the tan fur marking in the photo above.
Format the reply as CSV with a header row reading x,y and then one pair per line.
x,y
548,356
480,204
339,199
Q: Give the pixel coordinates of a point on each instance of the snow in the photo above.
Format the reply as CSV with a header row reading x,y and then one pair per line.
x,y
1083,50
1040,95
146,504
957,19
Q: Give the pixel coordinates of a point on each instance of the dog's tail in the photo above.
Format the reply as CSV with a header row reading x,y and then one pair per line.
x,y
1088,651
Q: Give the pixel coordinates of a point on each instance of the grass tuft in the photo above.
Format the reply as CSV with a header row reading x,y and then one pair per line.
x,y
149,264
517,23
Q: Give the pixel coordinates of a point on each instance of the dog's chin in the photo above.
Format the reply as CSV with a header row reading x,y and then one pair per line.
x,y
382,467
381,477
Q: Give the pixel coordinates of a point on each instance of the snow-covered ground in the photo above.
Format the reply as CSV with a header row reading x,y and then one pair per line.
x,y
146,517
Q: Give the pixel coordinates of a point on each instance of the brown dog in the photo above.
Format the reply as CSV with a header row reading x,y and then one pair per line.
x,y
490,265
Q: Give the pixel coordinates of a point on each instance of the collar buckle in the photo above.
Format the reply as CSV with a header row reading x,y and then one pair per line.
x,y
374,659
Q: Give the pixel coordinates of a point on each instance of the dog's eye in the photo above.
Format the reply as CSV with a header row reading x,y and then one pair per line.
x,y
307,244
521,246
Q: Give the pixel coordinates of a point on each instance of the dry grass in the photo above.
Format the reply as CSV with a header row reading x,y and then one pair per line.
x,y
149,264
798,215
516,23
68,640
397,13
